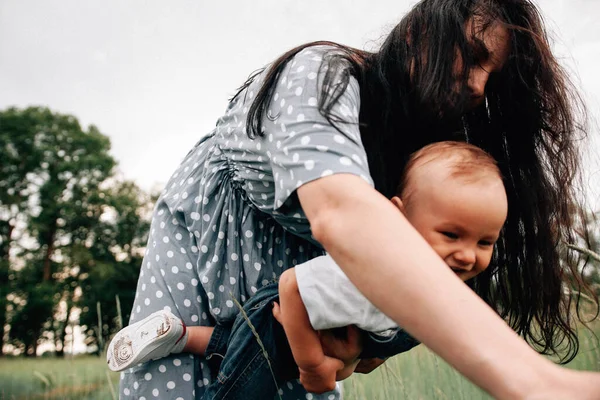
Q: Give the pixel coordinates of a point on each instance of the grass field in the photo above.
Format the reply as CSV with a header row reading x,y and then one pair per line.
x,y
50,378
418,374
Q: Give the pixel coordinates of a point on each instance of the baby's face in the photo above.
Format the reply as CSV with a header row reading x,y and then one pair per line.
x,y
461,220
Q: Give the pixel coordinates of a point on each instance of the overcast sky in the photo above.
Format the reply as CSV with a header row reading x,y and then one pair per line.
x,y
154,76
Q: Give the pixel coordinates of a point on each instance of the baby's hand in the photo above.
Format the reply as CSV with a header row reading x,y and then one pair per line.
x,y
321,378
277,312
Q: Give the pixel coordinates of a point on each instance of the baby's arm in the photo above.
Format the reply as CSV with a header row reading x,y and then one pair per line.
x,y
332,301
318,372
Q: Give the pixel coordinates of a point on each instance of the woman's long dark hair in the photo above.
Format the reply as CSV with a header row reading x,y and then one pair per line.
x,y
410,98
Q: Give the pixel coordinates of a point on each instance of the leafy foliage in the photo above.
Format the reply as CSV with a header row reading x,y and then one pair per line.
x,y
115,259
71,234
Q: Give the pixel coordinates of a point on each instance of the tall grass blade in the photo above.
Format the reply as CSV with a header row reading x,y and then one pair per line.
x,y
119,314
45,380
260,343
585,251
99,329
113,392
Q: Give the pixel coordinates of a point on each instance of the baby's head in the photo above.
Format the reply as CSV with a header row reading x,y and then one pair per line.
x,y
452,193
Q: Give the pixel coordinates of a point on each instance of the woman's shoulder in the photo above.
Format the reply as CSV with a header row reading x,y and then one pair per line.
x,y
318,69
319,57
317,52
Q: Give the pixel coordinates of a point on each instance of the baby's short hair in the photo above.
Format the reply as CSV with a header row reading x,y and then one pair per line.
x,y
465,161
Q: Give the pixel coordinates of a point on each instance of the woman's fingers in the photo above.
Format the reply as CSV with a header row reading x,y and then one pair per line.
x,y
367,365
354,341
321,378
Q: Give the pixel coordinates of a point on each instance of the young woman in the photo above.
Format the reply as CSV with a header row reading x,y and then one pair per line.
x,y
308,151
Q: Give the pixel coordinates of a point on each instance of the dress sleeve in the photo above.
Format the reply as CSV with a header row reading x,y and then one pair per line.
x,y
332,301
301,144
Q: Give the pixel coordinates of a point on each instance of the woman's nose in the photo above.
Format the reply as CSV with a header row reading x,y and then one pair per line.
x,y
477,80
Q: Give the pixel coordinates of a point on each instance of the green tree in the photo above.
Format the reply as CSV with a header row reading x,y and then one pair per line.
x,y
71,235
115,260
28,323
19,159
60,191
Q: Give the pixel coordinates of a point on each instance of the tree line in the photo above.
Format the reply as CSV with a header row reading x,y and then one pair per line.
x,y
72,234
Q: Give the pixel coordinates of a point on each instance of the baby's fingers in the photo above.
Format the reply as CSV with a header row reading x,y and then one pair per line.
x,y
277,312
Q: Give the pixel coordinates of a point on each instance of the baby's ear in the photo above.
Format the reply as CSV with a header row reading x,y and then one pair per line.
x,y
398,203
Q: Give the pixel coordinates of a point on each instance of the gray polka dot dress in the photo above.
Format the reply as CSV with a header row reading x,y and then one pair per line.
x,y
229,220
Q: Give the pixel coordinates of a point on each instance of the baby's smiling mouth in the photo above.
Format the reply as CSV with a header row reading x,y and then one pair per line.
x,y
458,271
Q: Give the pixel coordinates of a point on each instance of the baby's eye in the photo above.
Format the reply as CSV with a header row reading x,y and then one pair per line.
x,y
450,235
486,243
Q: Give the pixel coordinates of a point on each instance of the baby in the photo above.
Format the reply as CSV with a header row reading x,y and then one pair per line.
x,y
453,195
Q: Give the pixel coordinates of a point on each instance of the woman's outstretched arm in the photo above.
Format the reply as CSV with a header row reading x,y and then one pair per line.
x,y
395,268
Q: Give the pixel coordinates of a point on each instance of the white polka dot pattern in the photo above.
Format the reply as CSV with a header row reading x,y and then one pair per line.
x,y
227,223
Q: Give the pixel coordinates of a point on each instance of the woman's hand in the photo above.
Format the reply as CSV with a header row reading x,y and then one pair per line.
x,y
321,378
367,365
340,357
346,348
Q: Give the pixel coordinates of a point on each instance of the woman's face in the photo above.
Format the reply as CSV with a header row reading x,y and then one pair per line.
x,y
491,49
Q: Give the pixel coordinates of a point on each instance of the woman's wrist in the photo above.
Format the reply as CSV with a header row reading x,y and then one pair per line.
x,y
550,381
564,384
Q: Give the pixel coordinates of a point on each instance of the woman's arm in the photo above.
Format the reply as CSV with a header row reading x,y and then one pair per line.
x,y
393,266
